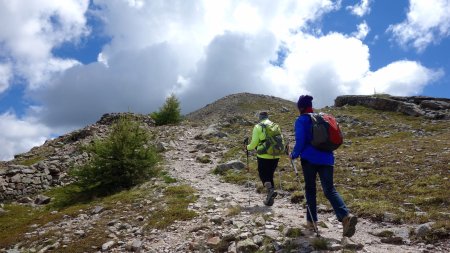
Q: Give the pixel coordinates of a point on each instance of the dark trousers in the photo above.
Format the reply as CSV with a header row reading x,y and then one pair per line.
x,y
326,179
266,169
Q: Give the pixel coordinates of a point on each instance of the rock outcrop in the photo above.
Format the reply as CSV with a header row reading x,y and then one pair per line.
x,y
45,166
429,107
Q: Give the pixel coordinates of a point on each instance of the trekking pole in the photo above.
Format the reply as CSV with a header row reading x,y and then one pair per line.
x,y
286,151
316,229
248,170
279,176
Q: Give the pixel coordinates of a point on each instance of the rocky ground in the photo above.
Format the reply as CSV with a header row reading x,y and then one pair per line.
x,y
250,223
231,218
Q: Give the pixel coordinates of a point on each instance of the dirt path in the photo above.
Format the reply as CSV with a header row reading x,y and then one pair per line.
x,y
215,196
215,229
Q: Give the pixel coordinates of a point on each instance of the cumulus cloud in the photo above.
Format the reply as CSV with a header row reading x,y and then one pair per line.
x,y
334,64
234,63
195,25
361,9
160,47
5,76
34,29
427,22
19,135
135,80
200,51
399,78
363,30
324,66
173,52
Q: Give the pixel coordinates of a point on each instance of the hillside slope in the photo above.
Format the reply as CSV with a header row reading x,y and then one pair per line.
x,y
240,104
392,171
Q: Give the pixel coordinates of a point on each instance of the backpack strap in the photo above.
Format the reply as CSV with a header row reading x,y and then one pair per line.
x,y
262,142
312,115
263,128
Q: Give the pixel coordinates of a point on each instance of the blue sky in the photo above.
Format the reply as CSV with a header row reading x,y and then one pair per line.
x,y
65,63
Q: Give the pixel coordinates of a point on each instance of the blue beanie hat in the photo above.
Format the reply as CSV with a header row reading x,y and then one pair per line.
x,y
304,101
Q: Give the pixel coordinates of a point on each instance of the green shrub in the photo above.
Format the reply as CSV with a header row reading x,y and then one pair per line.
x,y
118,162
169,113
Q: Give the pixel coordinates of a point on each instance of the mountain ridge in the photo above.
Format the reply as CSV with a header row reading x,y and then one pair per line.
x,y
383,152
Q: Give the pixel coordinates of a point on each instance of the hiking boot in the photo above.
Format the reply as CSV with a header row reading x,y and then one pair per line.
x,y
349,224
271,194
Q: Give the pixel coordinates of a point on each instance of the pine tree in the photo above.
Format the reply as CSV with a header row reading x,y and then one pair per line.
x,y
120,161
169,113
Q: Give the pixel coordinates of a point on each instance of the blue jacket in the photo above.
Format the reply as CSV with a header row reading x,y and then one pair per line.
x,y
303,147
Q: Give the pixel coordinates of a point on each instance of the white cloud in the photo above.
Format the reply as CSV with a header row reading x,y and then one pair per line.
x,y
363,30
324,66
19,135
427,22
200,50
333,65
234,63
229,53
195,24
155,42
136,80
360,9
33,29
5,76
399,78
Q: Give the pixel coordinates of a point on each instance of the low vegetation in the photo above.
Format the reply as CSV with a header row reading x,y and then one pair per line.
x,y
122,160
159,210
31,161
173,208
392,167
116,178
169,113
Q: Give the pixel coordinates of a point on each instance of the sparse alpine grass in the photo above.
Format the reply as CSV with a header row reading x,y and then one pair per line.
x,y
177,199
233,210
319,243
140,200
31,161
389,163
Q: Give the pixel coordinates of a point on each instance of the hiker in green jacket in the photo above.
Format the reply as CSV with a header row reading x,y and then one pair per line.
x,y
267,164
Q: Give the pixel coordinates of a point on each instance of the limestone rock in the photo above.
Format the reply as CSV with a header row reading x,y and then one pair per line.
x,y
108,245
246,246
234,164
42,200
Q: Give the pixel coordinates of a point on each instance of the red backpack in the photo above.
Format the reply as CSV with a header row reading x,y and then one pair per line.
x,y
325,131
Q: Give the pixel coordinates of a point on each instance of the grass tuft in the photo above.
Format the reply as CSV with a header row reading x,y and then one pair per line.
x,y
177,199
319,243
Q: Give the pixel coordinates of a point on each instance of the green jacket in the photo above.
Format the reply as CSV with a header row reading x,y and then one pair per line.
x,y
257,137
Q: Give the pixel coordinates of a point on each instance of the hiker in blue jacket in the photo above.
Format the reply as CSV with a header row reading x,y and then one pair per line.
x,y
315,162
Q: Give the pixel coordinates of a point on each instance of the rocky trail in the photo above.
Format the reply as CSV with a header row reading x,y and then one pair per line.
x,y
226,222
245,231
